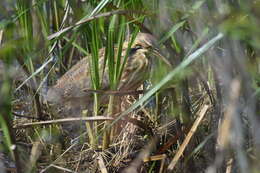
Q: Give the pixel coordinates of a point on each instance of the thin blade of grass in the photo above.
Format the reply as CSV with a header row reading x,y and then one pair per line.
x,y
172,31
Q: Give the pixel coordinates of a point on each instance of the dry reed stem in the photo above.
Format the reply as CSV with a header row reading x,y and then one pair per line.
x,y
1,36
35,154
188,137
65,120
224,130
101,164
83,21
154,158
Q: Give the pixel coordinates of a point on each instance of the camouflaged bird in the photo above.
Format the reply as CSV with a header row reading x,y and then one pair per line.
x,y
70,87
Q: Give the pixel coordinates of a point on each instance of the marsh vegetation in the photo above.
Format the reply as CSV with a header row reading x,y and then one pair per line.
x,y
129,86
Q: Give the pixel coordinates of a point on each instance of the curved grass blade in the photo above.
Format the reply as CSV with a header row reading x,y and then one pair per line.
x,y
172,31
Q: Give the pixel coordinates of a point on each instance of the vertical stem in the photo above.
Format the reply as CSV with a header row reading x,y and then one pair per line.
x,y
90,132
107,133
96,107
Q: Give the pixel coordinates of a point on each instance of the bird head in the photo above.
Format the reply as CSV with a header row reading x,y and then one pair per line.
x,y
145,41
148,43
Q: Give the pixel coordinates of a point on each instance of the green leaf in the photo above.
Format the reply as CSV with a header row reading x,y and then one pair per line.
x,y
171,32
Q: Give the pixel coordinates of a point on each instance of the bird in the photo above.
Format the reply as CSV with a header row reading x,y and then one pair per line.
x,y
71,87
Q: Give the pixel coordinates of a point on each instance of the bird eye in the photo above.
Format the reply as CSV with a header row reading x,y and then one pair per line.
x,y
138,46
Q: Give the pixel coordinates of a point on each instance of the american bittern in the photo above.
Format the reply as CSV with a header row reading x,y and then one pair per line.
x,y
71,85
